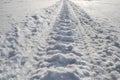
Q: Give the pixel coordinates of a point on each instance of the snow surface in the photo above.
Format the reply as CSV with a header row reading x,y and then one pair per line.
x,y
13,11
107,9
61,40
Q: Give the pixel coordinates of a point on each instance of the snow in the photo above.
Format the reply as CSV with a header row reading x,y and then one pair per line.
x,y
13,11
107,9
61,40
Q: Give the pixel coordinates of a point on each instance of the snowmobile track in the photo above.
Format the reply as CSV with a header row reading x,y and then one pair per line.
x,y
61,50
71,47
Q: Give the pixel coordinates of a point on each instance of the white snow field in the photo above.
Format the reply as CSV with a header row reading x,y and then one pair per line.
x,y
61,40
13,11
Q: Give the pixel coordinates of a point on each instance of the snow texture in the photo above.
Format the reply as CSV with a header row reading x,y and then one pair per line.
x,y
61,42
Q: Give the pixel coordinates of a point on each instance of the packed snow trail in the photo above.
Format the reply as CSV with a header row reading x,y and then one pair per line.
x,y
71,53
61,60
68,55
61,43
